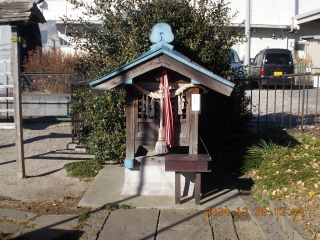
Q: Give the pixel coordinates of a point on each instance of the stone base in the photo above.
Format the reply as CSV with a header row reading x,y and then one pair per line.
x,y
148,177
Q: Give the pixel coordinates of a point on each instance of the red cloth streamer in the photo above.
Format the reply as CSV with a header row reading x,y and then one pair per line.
x,y
168,120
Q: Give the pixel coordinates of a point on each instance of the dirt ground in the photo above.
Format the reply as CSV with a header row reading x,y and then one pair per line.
x,y
45,155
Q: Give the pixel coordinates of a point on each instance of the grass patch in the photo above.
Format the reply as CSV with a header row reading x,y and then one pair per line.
x,y
289,173
84,169
3,198
110,207
124,206
264,202
83,217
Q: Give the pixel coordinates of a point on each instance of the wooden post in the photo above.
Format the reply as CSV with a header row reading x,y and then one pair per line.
x,y
17,102
194,121
177,185
130,124
197,188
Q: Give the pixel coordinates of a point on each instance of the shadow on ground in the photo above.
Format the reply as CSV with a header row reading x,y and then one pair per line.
x,y
230,152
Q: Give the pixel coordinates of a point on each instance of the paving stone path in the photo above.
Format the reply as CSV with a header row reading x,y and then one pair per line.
x,y
142,224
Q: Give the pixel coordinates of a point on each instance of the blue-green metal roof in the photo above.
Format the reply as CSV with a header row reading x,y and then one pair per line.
x,y
157,49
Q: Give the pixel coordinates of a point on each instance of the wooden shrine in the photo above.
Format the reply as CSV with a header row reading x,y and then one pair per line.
x,y
141,78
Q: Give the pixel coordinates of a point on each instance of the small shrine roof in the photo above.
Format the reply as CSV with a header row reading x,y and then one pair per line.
x,y
162,54
20,11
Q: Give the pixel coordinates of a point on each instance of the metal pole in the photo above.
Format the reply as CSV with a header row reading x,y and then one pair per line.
x,y
7,95
307,102
299,101
316,114
282,102
275,103
17,102
251,108
259,113
248,33
291,105
267,106
302,107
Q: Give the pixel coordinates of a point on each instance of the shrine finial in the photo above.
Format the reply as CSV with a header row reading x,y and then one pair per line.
x,y
161,32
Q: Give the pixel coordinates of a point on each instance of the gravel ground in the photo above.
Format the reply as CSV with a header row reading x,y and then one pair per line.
x,y
271,103
45,155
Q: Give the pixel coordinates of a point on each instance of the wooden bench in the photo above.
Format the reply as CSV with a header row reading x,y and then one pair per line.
x,y
196,163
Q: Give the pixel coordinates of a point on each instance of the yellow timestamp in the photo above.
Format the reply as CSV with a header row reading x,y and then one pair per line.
x,y
257,212
283,211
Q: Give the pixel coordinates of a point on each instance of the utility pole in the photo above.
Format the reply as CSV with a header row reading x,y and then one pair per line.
x,y
17,101
247,32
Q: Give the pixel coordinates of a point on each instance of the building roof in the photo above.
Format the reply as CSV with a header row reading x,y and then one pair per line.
x,y
316,37
20,11
162,54
313,16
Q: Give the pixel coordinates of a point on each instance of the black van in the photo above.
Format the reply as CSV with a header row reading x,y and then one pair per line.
x,y
273,62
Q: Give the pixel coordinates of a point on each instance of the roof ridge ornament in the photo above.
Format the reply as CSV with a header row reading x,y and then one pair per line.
x,y
161,35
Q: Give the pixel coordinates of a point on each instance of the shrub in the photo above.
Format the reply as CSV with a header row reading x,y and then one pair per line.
x,y
105,116
53,61
201,29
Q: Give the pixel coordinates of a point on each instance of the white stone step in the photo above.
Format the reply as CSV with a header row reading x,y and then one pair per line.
x,y
6,125
6,110
6,86
5,73
6,98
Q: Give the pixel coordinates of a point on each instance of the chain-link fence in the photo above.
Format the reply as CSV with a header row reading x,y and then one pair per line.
x,y
45,96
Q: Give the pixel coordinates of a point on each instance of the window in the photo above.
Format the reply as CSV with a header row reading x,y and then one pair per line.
x,y
233,56
278,58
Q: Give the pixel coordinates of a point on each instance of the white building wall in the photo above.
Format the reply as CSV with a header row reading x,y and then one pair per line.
x,y
305,6
57,9
273,13
5,34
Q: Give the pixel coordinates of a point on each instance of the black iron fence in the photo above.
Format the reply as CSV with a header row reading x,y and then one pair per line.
x,y
292,106
45,96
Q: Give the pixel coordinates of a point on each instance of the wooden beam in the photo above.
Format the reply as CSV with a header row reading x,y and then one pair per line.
x,y
17,103
5,49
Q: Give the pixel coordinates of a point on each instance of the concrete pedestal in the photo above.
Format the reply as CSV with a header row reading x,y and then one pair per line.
x,y
148,177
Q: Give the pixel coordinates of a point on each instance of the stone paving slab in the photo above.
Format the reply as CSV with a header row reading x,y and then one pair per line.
x,y
220,191
16,215
247,229
267,223
183,218
42,234
65,222
8,227
95,222
131,224
223,227
184,232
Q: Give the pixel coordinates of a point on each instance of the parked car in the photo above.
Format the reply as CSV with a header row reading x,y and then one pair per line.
x,y
236,63
273,62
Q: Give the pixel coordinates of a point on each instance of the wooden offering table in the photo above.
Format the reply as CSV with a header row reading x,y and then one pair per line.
x,y
196,163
